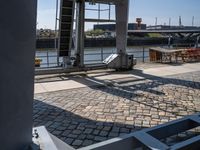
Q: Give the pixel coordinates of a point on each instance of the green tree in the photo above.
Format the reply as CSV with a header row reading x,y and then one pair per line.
x,y
96,32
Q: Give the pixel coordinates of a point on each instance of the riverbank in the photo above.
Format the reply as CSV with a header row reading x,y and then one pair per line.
x,y
111,42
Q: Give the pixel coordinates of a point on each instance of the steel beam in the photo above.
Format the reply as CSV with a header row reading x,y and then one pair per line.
x,y
164,31
99,20
80,33
150,138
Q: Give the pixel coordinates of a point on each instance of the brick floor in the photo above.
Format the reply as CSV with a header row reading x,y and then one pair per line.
x,y
85,116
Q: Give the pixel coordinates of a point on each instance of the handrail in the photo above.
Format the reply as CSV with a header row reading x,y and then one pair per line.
x,y
49,57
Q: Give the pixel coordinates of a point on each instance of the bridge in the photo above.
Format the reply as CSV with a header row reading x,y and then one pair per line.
x,y
186,34
164,31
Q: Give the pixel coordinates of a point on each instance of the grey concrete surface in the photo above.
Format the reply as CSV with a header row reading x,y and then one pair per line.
x,y
17,42
50,83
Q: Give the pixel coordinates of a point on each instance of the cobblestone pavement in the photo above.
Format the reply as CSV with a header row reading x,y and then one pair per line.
x,y
85,116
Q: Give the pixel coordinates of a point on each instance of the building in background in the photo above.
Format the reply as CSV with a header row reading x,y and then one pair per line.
x,y
111,27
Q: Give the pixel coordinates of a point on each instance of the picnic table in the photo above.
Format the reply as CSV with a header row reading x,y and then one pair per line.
x,y
158,54
191,54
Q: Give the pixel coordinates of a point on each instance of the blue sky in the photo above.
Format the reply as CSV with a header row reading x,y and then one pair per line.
x,y
148,10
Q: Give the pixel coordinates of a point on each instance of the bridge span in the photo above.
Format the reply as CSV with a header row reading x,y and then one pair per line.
x,y
183,34
164,31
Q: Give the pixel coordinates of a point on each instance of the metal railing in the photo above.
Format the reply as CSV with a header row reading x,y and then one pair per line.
x,y
141,55
93,55
50,57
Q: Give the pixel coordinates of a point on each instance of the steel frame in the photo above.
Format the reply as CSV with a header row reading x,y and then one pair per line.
x,y
121,28
150,138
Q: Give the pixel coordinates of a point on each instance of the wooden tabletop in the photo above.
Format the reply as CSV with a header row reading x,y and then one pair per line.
x,y
165,50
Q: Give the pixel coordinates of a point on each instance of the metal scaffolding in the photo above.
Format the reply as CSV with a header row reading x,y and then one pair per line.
x,y
121,29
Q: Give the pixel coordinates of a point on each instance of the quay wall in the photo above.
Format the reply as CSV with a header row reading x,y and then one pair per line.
x,y
110,42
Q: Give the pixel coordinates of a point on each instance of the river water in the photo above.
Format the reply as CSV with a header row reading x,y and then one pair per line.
x,y
92,55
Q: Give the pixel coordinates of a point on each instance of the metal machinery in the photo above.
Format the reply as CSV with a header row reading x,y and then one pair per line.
x,y
161,137
115,61
156,138
122,59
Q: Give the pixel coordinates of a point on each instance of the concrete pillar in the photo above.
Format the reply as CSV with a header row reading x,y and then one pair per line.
x,y
80,33
17,50
122,10
197,41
